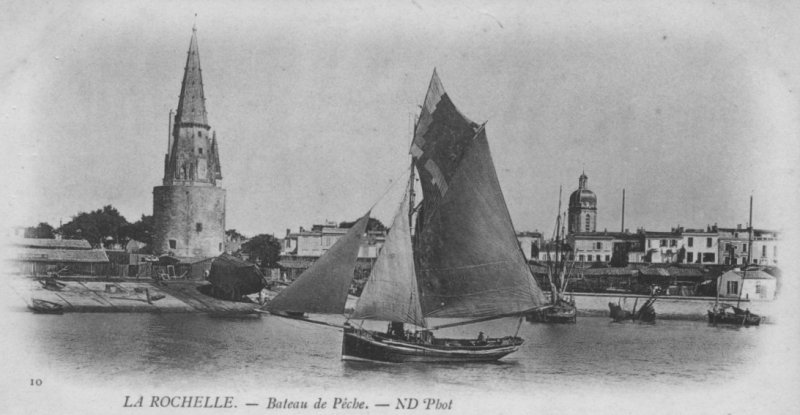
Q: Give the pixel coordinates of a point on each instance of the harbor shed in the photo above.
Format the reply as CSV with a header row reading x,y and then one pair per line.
x,y
750,284
36,257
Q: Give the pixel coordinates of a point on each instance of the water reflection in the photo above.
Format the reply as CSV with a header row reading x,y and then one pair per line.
x,y
186,349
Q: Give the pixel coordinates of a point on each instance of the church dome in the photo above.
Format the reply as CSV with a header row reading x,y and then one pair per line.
x,y
583,196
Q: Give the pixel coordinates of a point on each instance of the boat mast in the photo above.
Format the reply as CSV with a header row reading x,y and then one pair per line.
x,y
559,260
749,251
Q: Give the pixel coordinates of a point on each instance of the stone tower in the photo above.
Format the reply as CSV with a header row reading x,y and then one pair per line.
x,y
189,207
582,214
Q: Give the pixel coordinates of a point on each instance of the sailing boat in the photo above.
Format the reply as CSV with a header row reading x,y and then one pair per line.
x,y
561,309
723,313
462,261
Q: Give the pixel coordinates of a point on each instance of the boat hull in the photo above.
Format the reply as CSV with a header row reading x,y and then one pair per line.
x,y
46,307
738,319
367,345
554,314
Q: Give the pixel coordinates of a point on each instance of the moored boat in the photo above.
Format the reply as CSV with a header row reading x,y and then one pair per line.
x,y
40,306
723,313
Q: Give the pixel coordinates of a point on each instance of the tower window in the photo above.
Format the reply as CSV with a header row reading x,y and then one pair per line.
x,y
588,223
173,244
200,150
199,227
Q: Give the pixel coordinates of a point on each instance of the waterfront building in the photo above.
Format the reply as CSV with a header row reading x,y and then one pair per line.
x,y
701,246
734,246
531,244
663,247
582,211
300,249
32,256
189,206
747,285
316,241
606,247
592,246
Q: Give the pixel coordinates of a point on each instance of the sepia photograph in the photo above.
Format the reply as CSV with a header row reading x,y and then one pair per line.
x,y
388,207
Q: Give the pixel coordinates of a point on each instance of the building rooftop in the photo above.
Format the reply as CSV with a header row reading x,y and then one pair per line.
x,y
52,243
61,255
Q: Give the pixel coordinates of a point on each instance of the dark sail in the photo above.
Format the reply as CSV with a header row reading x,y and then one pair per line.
x,y
390,293
469,263
323,287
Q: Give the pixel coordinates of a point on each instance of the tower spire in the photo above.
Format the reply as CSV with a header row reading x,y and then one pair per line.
x,y
192,102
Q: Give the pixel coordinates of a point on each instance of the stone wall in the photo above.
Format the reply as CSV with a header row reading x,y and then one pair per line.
x,y
192,216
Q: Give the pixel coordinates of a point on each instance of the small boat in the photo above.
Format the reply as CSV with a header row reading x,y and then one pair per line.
x,y
723,313
463,260
561,309
232,278
562,312
645,314
40,306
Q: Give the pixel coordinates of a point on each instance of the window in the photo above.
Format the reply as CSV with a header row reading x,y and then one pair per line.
x,y
598,245
691,242
709,257
663,242
764,251
708,242
200,150
759,288
673,242
690,257
588,223
580,258
733,287
608,258
173,244
199,227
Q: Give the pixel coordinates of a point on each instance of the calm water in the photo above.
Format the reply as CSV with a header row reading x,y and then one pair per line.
x,y
181,350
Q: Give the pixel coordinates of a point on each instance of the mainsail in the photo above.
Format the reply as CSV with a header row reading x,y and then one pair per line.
x,y
390,293
323,287
469,263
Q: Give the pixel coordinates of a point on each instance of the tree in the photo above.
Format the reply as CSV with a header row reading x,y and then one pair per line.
x,y
619,258
42,231
234,235
681,255
97,226
263,250
141,230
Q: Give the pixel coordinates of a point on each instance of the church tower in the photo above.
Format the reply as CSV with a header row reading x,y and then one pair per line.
x,y
189,207
582,214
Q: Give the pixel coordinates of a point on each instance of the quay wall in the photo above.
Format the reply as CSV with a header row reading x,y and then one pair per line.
x,y
667,307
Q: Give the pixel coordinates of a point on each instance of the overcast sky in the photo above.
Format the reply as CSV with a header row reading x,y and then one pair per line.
x,y
690,107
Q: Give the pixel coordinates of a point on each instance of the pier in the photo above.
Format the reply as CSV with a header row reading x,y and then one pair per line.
x,y
119,295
